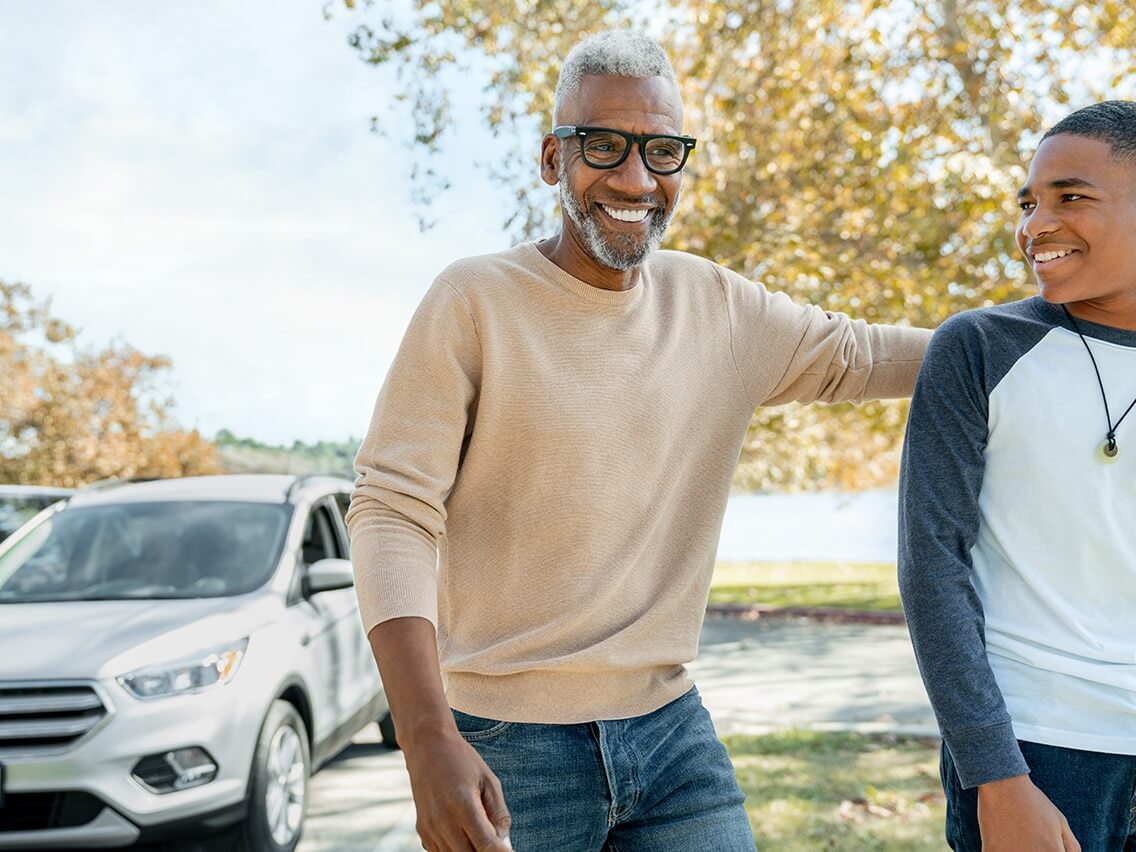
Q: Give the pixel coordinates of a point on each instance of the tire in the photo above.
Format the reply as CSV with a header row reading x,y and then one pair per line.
x,y
387,732
278,784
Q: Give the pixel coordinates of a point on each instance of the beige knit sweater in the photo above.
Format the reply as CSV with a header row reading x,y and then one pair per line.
x,y
547,467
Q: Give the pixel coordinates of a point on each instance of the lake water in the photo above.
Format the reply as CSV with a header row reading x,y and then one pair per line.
x,y
827,526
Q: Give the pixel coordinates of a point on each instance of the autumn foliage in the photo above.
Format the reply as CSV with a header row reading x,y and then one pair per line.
x,y
861,155
70,415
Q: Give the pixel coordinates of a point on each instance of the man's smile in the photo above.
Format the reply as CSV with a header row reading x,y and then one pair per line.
x,y
623,214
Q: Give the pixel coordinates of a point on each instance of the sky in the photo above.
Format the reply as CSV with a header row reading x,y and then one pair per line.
x,y
200,180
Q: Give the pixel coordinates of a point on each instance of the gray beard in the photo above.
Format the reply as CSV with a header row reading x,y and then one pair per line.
x,y
613,250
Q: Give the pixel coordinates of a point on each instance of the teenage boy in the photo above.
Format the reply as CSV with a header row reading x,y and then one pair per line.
x,y
1017,555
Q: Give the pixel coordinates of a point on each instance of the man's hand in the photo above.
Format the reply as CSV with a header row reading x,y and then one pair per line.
x,y
458,798
1015,816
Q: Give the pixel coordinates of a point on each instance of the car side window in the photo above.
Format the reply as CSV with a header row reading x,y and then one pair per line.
x,y
320,541
343,503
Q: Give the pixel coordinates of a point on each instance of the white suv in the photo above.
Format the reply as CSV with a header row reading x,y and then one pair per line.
x,y
179,656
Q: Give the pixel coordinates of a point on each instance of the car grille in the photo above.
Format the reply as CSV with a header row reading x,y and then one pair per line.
x,y
41,717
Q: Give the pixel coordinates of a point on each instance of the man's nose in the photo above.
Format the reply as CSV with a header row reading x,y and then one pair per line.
x,y
632,175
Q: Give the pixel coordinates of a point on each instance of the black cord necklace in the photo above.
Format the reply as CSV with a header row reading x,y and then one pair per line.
x,y
1109,450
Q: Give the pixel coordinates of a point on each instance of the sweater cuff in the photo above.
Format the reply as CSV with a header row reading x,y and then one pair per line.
x,y
986,754
395,577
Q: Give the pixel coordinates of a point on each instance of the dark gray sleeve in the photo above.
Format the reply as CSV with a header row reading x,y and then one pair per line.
x,y
940,480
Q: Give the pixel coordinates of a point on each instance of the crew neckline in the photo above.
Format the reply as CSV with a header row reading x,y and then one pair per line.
x,y
1110,334
583,289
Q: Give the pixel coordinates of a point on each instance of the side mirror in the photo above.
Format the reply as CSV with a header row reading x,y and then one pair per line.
x,y
329,574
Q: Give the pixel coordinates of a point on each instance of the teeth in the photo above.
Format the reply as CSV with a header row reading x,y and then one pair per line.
x,y
1046,256
625,215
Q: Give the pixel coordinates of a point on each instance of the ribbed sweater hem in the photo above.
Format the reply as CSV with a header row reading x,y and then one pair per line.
x,y
566,698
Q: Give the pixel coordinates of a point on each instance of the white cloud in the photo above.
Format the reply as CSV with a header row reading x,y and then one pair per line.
x,y
199,180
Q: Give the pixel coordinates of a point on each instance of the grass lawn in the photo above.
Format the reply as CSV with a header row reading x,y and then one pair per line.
x,y
810,790
867,586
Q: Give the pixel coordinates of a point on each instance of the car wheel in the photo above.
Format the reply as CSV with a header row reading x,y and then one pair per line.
x,y
387,732
278,788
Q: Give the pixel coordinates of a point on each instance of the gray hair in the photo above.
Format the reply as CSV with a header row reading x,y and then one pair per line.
x,y
611,53
1113,122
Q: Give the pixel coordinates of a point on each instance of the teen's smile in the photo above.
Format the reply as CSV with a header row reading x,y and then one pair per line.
x,y
1050,258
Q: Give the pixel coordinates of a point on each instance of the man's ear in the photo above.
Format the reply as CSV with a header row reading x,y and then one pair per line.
x,y
550,160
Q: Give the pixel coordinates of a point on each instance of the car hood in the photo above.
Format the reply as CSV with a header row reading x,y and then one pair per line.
x,y
104,639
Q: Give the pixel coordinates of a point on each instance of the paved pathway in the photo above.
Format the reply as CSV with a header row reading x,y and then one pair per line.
x,y
768,674
754,676
361,802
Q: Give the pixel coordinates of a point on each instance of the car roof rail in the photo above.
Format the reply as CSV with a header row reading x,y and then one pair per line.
x,y
303,478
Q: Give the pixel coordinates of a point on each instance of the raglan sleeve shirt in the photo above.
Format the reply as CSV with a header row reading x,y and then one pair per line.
x,y
940,483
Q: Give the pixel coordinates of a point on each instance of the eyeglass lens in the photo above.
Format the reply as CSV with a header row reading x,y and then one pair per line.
x,y
603,148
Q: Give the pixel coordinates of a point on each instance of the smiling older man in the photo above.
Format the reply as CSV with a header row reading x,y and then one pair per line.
x,y
542,485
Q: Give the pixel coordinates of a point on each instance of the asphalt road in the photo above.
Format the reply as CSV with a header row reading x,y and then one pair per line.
x,y
754,676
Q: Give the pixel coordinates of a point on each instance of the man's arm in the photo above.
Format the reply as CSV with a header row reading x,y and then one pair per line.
x,y
406,466
940,481
785,352
458,799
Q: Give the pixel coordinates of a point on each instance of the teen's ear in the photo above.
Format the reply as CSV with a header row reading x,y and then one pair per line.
x,y
550,160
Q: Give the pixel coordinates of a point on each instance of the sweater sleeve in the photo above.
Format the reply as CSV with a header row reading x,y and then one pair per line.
x,y
408,461
940,481
786,352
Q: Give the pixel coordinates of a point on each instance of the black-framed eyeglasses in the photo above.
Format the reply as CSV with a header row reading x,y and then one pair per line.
x,y
604,148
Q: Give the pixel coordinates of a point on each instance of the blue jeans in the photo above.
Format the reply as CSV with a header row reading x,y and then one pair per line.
x,y
1096,792
662,782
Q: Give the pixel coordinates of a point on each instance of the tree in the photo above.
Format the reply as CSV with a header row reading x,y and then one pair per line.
x,y
71,415
862,155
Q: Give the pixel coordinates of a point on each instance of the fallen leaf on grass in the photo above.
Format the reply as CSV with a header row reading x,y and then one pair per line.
x,y
857,810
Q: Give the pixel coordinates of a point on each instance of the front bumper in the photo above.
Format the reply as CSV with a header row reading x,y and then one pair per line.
x,y
92,801
107,830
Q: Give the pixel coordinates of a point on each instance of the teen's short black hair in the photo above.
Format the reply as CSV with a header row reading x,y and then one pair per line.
x,y
1113,122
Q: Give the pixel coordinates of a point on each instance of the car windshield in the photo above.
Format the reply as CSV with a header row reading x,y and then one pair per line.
x,y
145,550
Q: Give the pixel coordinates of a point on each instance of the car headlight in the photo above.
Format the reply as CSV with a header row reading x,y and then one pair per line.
x,y
208,669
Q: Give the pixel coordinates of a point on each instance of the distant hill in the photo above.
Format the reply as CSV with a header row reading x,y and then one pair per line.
x,y
246,455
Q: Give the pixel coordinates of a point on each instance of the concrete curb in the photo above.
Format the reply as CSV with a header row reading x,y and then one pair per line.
x,y
871,729
752,612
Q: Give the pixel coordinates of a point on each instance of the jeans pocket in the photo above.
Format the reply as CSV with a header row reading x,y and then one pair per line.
x,y
477,728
